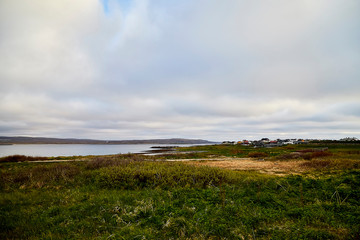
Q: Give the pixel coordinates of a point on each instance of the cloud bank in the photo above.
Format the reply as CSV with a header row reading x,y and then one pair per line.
x,y
196,69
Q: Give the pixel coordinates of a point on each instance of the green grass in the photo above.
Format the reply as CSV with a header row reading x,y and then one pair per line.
x,y
338,149
132,197
255,206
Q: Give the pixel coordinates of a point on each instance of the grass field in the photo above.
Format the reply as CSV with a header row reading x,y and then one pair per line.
x,y
146,197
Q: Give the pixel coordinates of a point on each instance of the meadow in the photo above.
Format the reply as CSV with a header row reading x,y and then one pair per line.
x,y
131,196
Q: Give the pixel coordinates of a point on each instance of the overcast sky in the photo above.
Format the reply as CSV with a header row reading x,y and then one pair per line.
x,y
210,69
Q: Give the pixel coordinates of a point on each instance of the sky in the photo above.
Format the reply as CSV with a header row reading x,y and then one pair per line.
x,y
205,69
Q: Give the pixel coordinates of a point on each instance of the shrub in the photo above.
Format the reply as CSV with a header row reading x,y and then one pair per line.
x,y
115,160
293,155
353,152
164,175
311,155
306,150
332,164
134,157
55,172
257,154
236,152
21,158
321,154
100,162
40,176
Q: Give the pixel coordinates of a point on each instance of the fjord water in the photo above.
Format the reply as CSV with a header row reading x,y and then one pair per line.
x,y
53,150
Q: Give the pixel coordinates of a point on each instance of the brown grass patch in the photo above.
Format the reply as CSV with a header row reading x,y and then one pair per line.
x,y
278,167
319,164
270,167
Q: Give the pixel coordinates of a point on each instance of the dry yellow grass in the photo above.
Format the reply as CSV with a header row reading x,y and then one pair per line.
x,y
263,166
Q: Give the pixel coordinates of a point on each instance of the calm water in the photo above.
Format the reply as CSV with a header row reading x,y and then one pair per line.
x,y
50,150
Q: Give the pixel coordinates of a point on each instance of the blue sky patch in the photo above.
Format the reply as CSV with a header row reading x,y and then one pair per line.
x,y
124,5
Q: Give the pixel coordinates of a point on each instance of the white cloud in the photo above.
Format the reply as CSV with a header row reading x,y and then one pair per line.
x,y
188,69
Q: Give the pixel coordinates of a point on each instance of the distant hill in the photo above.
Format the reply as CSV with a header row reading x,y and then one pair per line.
x,y
41,140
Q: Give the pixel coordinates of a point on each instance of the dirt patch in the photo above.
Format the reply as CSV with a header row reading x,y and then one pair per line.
x,y
263,166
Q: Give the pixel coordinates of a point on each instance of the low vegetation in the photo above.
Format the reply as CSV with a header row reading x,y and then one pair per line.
x,y
143,197
21,158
